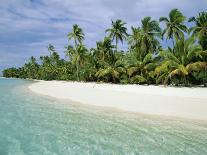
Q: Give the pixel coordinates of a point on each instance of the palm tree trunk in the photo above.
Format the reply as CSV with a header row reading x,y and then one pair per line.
x,y
204,80
76,44
114,80
115,51
116,44
185,81
77,72
173,43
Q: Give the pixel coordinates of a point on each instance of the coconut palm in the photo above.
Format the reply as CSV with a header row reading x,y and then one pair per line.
x,y
141,63
111,72
69,50
186,58
51,49
148,36
118,31
174,25
200,28
103,53
77,35
140,68
46,69
143,45
78,57
134,37
33,67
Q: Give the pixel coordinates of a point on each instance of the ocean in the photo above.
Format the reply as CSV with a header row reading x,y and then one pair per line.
x,y
32,124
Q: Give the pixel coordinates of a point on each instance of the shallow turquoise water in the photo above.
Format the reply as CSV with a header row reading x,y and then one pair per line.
x,y
32,124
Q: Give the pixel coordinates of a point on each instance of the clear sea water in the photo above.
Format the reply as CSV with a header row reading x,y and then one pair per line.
x,y
32,124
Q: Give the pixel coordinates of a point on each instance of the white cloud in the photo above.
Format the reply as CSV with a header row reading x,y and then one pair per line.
x,y
29,25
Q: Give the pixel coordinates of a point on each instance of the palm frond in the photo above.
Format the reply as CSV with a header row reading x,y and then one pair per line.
x,y
138,79
197,66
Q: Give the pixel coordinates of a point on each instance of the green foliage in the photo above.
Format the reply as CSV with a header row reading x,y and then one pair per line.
x,y
200,28
77,35
117,32
138,79
187,57
174,25
145,61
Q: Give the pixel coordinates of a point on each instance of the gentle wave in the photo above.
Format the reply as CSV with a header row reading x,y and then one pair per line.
x,y
35,124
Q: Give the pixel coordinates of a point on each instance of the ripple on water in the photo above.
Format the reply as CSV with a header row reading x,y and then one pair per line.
x,y
35,124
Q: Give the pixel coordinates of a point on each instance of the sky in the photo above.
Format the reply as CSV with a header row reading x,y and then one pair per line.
x,y
28,26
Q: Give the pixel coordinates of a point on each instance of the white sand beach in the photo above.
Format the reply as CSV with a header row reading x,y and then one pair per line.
x,y
190,103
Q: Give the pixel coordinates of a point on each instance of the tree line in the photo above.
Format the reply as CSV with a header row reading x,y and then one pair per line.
x,y
145,61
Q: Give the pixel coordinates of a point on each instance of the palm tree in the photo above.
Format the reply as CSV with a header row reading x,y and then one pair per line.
x,y
117,32
143,45
78,58
140,67
77,54
147,35
103,51
69,50
186,58
200,29
77,35
112,72
134,38
45,69
144,62
34,67
174,25
51,49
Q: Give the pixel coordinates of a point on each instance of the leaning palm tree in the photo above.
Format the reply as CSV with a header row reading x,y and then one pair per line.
x,y
174,25
187,57
200,29
77,35
117,32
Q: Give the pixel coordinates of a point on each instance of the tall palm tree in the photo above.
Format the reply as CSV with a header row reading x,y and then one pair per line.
x,y
103,51
117,32
78,57
174,25
148,35
143,45
77,35
134,37
77,54
200,29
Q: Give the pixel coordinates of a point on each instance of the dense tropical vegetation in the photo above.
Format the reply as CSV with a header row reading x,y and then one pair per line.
x,y
184,62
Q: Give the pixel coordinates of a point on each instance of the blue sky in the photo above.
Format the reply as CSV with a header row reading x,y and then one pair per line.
x,y
28,26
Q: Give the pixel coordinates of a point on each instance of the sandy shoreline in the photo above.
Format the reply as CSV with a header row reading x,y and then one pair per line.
x,y
190,103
